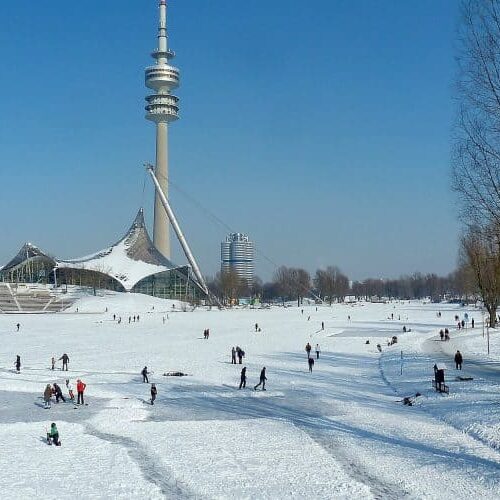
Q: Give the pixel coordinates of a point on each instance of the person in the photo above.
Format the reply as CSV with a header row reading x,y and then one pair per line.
x,y
53,361
233,356
322,325
472,322
154,392
47,395
441,334
263,379
137,317
243,377
53,435
18,326
65,360
256,327
310,361
114,317
318,350
446,335
58,393
18,363
119,320
459,325
404,328
69,386
308,349
208,333
144,374
458,360
379,348
463,323
129,319
308,318
80,388
241,354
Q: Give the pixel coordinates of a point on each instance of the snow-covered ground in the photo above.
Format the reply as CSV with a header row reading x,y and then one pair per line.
x,y
338,432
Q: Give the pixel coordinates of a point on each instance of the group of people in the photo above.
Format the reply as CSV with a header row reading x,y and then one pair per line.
x,y
65,361
56,391
206,333
444,334
262,379
310,359
237,352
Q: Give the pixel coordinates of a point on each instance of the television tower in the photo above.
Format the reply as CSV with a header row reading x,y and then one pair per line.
x,y
162,108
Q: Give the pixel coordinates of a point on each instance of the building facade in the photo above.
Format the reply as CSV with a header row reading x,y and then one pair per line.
x,y
237,255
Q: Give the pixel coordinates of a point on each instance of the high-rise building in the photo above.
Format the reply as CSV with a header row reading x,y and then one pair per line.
x,y
237,255
162,108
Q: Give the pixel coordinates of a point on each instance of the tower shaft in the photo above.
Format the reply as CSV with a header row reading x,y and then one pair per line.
x,y
161,233
162,108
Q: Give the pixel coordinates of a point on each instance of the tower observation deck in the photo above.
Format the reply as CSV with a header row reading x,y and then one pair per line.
x,y
162,108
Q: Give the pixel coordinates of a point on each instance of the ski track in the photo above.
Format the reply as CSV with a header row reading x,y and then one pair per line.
x,y
147,463
440,356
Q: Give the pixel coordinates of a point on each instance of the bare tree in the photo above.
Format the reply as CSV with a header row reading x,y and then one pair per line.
x,y
476,149
483,254
292,283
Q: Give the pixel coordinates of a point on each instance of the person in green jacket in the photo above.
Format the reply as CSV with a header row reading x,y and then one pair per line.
x,y
53,435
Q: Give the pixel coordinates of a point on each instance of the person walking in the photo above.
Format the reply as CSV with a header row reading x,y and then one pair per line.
x,y
144,374
58,393
308,349
243,377
53,435
233,356
318,350
65,360
441,334
47,396
17,364
458,360
69,386
80,388
310,361
262,380
154,392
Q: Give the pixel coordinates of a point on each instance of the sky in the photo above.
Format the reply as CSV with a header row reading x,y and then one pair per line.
x,y
320,128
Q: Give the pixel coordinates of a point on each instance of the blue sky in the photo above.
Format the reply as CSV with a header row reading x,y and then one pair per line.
x,y
321,128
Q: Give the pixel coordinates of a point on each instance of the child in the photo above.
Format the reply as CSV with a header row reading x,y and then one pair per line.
x,y
70,390
53,435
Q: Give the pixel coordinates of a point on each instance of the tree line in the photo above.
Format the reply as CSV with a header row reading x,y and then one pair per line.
x,y
331,285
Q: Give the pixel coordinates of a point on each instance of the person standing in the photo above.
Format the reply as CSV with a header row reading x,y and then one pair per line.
x,y
243,377
65,360
256,327
233,356
18,363
53,361
262,381
144,374
458,360
47,396
472,322
18,326
80,388
310,361
154,392
69,386
322,325
240,353
318,350
308,349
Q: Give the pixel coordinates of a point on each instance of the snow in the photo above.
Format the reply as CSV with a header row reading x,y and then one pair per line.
x,y
339,432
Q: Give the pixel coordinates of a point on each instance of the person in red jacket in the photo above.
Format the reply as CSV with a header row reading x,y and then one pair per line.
x,y
80,387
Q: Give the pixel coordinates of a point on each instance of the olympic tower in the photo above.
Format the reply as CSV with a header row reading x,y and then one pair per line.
x,y
162,108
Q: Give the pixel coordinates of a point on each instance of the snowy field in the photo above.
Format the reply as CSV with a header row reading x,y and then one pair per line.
x,y
338,432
